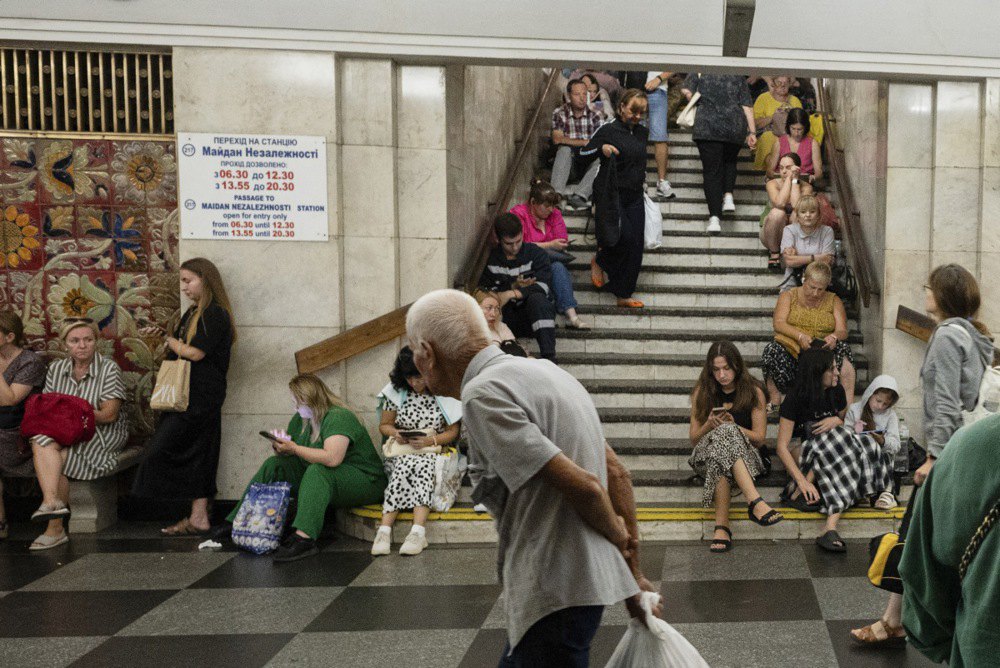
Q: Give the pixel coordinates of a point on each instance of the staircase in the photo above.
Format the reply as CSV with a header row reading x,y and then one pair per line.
x,y
640,366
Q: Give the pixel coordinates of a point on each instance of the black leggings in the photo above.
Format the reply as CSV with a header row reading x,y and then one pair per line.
x,y
623,262
718,164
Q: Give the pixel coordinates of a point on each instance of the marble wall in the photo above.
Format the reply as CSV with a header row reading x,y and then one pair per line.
x,y
410,169
941,204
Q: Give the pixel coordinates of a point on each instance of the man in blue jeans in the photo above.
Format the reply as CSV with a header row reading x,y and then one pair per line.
x,y
562,503
656,94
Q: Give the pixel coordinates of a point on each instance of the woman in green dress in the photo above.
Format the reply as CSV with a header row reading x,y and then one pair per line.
x,y
329,460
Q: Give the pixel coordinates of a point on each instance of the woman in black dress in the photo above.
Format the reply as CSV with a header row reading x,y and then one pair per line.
x,y
184,451
624,141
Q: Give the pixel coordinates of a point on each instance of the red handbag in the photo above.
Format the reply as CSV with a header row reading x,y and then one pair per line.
x,y
66,419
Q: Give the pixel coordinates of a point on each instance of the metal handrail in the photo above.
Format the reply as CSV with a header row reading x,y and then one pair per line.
x,y
860,256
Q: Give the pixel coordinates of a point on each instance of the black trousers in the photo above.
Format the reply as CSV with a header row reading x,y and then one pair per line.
x,y
623,262
534,316
718,165
182,456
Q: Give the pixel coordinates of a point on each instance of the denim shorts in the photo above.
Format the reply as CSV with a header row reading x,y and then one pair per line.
x,y
657,120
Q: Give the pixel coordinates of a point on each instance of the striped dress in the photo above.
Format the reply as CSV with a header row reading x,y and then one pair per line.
x,y
97,457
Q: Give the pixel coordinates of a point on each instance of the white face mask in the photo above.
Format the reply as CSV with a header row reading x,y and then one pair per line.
x,y
304,412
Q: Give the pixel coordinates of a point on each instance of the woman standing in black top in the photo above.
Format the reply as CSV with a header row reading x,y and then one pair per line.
x,y
728,426
184,451
623,140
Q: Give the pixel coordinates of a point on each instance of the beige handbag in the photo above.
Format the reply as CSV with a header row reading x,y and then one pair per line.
x,y
685,119
173,385
394,448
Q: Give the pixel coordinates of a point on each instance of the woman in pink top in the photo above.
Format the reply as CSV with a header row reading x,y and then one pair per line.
x,y
543,225
797,141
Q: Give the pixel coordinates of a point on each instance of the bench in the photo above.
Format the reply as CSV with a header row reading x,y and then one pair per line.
x,y
95,502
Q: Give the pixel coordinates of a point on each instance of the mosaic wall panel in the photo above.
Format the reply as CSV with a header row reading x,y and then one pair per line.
x,y
89,228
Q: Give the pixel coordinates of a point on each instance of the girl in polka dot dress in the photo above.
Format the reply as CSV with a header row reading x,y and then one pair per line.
x,y
406,405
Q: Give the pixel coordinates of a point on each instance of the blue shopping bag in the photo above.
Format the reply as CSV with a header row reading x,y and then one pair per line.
x,y
260,521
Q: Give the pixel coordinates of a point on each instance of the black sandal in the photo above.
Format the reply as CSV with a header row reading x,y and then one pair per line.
x,y
829,540
725,545
774,263
770,518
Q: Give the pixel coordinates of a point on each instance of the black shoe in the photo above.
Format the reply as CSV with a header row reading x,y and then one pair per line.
x,y
294,548
576,203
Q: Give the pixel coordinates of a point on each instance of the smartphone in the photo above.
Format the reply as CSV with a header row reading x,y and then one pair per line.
x,y
817,343
874,432
411,434
527,276
720,409
270,437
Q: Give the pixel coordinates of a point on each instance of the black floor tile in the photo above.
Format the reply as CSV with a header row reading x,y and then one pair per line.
x,y
327,569
93,544
485,650
422,607
850,564
18,570
74,613
739,601
853,655
239,651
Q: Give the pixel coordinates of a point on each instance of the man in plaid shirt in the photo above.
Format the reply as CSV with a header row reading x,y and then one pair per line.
x,y
573,123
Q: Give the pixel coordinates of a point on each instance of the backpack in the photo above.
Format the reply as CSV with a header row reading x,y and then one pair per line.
x,y
988,402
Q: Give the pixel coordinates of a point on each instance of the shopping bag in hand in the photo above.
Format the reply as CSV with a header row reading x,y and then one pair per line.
x,y
658,646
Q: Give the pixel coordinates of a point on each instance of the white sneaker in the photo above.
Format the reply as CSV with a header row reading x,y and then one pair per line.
x,y
728,205
382,544
480,508
663,189
414,544
713,225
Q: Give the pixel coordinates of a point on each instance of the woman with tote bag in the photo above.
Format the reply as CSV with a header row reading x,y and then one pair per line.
x,y
184,450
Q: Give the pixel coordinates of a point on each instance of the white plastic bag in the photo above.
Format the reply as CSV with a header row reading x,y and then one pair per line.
x,y
654,224
659,646
449,467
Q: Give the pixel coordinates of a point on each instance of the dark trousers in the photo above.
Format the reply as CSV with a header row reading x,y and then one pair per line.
x,y
534,316
718,165
559,640
623,262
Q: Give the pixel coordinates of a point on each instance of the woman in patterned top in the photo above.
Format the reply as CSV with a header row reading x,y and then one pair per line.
x,y
22,373
87,374
407,406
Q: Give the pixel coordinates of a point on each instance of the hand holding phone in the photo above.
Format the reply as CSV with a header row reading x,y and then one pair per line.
x,y
412,433
269,436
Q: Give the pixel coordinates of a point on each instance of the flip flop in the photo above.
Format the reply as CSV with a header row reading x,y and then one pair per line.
x,y
183,528
829,540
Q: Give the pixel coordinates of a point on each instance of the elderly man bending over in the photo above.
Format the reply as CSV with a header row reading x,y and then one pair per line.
x,y
562,502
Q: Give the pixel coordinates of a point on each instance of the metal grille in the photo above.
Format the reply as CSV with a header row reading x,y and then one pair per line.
x,y
44,90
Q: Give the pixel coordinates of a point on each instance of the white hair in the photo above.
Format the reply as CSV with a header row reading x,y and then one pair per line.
x,y
449,320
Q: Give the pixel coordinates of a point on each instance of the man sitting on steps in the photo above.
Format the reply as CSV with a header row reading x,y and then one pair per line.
x,y
521,274
573,123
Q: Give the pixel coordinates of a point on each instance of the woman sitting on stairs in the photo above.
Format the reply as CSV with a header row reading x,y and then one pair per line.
x,y
728,426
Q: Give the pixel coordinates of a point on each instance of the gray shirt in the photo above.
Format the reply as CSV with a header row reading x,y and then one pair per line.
x,y
819,242
519,414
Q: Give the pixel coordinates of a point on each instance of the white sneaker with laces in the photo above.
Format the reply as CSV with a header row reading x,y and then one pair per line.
x,y
714,227
382,544
414,544
664,190
728,204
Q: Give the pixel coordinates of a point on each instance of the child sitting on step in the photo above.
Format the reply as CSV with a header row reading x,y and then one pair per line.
x,y
874,417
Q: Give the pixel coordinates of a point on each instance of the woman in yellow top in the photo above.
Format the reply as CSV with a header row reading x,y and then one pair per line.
x,y
769,111
807,317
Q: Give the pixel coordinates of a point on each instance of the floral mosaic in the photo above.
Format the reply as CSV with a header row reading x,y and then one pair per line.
x,y
89,228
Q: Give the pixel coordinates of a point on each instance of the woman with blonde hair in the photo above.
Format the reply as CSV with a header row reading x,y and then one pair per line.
x,y
87,374
22,373
328,458
490,303
184,450
805,241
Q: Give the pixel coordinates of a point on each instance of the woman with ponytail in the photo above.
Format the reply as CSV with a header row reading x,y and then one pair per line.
x,y
184,450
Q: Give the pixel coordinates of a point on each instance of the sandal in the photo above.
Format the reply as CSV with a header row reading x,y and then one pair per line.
x,y
183,528
879,634
46,513
576,323
886,501
800,504
770,518
720,545
44,542
596,274
774,263
630,303
832,542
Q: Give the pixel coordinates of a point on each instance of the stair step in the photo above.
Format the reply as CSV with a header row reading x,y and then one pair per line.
x,y
581,216
642,341
692,275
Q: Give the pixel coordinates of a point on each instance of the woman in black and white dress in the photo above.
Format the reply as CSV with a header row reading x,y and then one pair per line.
x,y
407,406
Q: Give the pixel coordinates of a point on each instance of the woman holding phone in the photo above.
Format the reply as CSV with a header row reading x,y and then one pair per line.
x,y
728,426
327,456
413,417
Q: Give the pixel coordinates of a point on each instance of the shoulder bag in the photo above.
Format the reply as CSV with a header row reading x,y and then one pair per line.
x,y
172,391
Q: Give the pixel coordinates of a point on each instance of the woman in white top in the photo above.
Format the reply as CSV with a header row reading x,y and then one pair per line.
x,y
804,242
490,303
